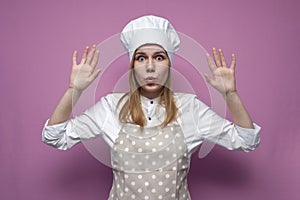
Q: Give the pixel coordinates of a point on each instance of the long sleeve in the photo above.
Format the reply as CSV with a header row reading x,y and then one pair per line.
x,y
95,121
212,127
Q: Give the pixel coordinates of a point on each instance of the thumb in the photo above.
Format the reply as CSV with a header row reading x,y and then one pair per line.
x,y
207,78
95,74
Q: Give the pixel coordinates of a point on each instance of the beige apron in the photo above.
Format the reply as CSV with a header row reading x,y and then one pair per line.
x,y
150,163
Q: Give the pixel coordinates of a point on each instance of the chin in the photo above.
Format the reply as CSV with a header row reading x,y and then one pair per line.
x,y
152,88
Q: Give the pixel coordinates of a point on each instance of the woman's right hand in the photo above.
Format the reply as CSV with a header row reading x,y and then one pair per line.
x,y
83,74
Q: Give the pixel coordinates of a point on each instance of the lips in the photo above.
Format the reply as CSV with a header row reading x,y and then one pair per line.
x,y
150,79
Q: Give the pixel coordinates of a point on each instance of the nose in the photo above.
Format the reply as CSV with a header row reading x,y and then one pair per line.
x,y
150,66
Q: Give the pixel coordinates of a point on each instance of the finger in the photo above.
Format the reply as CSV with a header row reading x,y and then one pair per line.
x,y
95,59
207,78
84,56
211,64
233,61
223,62
216,57
91,55
74,58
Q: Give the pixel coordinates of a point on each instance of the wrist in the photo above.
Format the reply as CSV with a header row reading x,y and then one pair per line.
x,y
229,94
74,90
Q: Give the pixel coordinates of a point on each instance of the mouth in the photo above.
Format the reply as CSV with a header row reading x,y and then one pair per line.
x,y
150,80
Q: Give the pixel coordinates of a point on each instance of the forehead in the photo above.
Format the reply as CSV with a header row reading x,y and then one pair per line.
x,y
149,48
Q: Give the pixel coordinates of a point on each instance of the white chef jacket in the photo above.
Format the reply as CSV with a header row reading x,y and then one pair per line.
x,y
198,123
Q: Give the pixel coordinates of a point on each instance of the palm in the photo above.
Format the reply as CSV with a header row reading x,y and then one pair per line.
x,y
84,73
223,77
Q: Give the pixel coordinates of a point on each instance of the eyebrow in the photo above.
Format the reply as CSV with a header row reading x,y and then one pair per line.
x,y
157,52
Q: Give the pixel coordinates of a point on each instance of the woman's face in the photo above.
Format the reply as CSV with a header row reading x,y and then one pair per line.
x,y
151,69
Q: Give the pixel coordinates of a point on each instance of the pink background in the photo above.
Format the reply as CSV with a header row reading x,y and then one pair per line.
x,y
37,41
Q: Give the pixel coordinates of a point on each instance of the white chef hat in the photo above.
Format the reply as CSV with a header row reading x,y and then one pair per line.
x,y
150,30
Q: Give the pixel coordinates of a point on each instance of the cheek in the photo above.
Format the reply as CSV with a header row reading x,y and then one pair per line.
x,y
164,73
138,74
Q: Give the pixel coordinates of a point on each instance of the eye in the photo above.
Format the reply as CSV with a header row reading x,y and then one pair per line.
x,y
159,57
140,58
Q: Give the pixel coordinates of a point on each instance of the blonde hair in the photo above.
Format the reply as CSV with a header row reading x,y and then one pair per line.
x,y
132,112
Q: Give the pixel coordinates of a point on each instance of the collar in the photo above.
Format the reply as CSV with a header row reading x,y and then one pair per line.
x,y
148,102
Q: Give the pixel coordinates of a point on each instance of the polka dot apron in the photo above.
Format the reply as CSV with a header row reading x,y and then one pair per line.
x,y
150,163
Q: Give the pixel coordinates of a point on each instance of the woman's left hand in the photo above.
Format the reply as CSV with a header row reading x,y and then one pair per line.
x,y
223,77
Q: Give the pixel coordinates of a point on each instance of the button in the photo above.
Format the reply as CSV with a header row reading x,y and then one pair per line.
x,y
149,118
151,102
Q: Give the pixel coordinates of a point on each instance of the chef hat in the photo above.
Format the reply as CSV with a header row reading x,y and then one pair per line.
x,y
150,30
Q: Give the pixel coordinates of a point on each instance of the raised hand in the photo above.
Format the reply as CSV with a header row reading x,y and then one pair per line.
x,y
83,74
223,77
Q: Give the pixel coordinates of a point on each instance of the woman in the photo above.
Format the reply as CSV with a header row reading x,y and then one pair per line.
x,y
152,132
